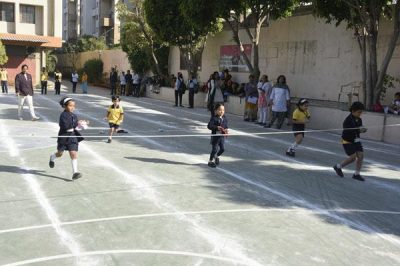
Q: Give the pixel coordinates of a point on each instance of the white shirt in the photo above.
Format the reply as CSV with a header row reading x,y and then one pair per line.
x,y
122,79
75,77
279,97
135,79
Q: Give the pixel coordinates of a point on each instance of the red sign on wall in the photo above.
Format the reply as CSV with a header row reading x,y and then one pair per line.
x,y
231,58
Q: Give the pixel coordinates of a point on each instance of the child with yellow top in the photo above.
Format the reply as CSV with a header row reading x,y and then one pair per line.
x,y
43,80
4,80
84,83
115,116
300,117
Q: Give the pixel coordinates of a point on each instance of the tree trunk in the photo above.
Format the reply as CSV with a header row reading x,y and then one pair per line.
x,y
155,61
373,65
363,48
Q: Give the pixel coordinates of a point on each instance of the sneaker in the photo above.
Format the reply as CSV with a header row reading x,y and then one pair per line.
x,y
246,119
358,177
291,153
51,163
268,126
109,141
338,171
35,118
20,118
76,176
212,164
217,161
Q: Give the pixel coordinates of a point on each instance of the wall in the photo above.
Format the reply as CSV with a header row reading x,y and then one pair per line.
x,y
319,115
317,58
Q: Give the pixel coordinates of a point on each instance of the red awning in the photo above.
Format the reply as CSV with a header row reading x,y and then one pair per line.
x,y
23,38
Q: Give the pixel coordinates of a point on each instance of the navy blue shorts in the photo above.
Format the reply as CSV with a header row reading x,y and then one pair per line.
x,y
112,125
352,148
299,127
67,147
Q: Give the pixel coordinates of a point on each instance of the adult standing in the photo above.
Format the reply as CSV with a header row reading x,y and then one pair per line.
x,y
179,87
279,100
128,81
44,76
58,79
74,79
214,95
84,85
24,91
136,84
113,81
192,84
250,113
4,80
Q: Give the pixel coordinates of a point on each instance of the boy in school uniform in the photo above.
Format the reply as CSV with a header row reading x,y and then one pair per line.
x,y
218,125
352,127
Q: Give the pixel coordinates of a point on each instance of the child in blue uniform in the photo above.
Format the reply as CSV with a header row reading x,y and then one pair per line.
x,y
218,125
352,127
69,136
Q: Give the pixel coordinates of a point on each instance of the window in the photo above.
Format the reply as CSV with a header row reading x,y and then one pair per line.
x,y
27,14
6,12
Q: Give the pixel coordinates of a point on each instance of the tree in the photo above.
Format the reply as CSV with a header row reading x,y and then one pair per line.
x,y
138,39
364,17
91,43
51,61
171,25
3,54
250,15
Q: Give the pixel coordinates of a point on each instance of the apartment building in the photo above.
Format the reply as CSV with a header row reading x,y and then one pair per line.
x,y
27,29
71,19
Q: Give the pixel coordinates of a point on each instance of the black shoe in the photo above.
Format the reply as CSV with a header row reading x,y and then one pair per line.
x,y
51,163
263,124
217,161
338,171
258,123
268,126
358,177
109,141
246,119
175,105
212,164
181,105
76,176
291,153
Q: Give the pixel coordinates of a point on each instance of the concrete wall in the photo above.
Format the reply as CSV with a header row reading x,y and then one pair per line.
x,y
317,58
321,117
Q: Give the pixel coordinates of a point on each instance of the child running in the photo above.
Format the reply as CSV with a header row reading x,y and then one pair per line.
x,y
218,125
115,116
300,117
69,136
352,127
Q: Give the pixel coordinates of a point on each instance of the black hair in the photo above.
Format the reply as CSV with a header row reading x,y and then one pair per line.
x,y
115,97
281,76
25,65
64,103
218,105
397,93
357,106
302,101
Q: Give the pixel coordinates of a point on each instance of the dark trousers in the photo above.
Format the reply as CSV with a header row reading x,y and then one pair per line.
x,y
4,87
44,87
191,98
179,94
113,88
218,147
136,90
58,88
123,89
278,115
74,86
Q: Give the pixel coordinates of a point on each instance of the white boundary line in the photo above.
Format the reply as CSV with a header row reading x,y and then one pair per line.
x,y
129,251
166,214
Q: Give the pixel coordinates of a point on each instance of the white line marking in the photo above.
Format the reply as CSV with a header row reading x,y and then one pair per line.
x,y
166,214
132,251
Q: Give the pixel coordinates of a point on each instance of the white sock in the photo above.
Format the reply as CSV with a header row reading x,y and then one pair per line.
x,y
74,165
356,172
294,146
339,166
53,157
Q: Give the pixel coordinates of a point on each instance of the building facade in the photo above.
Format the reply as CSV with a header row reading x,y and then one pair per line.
x,y
71,19
27,29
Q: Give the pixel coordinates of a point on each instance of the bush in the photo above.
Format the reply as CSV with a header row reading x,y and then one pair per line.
x,y
94,70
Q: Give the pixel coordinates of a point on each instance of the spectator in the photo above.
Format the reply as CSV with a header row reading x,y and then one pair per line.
x,y
57,81
262,87
113,81
136,84
279,100
128,81
250,113
122,83
44,76
24,91
193,85
74,79
4,78
394,108
84,85
179,89
214,95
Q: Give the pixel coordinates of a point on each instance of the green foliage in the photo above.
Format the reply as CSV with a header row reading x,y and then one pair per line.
x,y
51,61
3,54
389,82
91,43
94,70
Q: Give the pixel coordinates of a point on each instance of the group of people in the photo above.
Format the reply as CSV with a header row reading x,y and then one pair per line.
x,y
58,79
127,84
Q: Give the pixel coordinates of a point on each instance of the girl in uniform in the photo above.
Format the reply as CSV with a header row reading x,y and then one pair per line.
x,y
218,125
300,117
